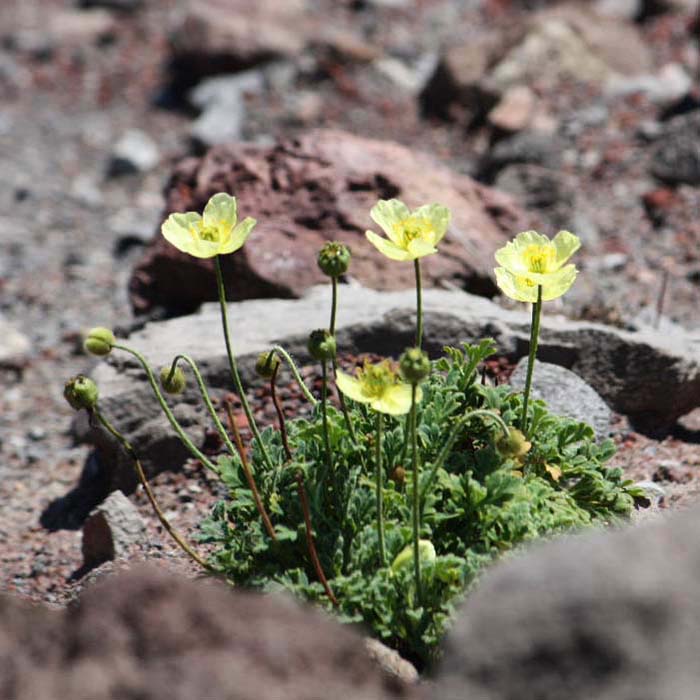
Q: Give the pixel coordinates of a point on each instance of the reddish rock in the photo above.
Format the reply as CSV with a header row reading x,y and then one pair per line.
x,y
321,187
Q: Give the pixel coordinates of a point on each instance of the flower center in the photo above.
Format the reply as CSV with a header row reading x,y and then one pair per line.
x,y
376,379
414,227
540,258
209,233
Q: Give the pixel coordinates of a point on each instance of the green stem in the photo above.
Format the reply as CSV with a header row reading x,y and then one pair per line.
x,y
149,494
334,304
419,304
534,337
194,451
324,414
292,366
280,414
234,367
416,497
380,499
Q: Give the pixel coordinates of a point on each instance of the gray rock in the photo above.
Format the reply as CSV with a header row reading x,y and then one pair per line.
x,y
620,9
669,85
532,147
134,152
391,662
676,156
608,615
652,378
14,346
566,394
111,530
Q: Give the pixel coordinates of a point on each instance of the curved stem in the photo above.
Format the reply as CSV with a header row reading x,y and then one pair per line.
x,y
248,474
280,414
378,484
292,366
194,451
534,337
324,414
151,498
233,366
419,304
416,497
310,540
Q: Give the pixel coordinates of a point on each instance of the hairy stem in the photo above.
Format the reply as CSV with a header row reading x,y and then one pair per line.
x,y
324,414
378,484
280,414
295,371
416,497
534,337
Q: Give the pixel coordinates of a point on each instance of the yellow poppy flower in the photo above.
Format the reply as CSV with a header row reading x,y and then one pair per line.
x,y
216,232
532,260
380,387
410,234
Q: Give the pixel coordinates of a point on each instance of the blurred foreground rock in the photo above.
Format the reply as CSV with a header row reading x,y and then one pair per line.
x,y
156,636
652,378
610,616
321,187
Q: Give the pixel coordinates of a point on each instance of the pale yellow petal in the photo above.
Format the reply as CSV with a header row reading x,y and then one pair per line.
x,y
395,400
566,244
387,213
512,255
205,249
221,211
238,237
515,287
418,248
350,387
178,230
438,216
559,282
386,247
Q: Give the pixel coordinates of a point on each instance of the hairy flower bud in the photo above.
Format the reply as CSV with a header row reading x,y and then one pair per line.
x,y
99,341
334,259
267,364
321,345
414,365
81,392
174,384
398,475
515,446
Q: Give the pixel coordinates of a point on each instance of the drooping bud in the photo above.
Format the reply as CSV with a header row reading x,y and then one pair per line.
x,y
398,475
99,341
81,392
426,554
334,259
414,365
515,446
321,345
267,364
172,383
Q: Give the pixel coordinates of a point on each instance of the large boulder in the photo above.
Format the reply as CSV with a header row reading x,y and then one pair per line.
x,y
153,635
609,615
306,191
652,378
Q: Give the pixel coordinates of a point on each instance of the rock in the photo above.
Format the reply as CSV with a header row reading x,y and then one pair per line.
x,y
676,155
411,77
620,9
391,662
111,530
518,110
305,191
566,394
654,493
570,42
610,615
652,378
534,147
667,87
67,27
151,634
134,152
14,346
119,5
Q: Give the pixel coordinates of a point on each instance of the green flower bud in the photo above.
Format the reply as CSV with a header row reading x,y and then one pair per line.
x,y
414,365
99,341
321,345
174,384
426,553
515,446
81,392
334,259
267,364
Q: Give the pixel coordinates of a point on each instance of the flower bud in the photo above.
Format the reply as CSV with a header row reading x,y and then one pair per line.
x,y
267,364
99,341
334,259
414,365
321,345
398,475
81,392
515,446
174,384
426,554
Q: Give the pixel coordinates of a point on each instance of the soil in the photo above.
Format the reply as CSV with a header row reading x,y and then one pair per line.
x,y
70,233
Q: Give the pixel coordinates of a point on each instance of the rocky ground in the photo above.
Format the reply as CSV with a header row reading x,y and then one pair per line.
x,y
101,104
